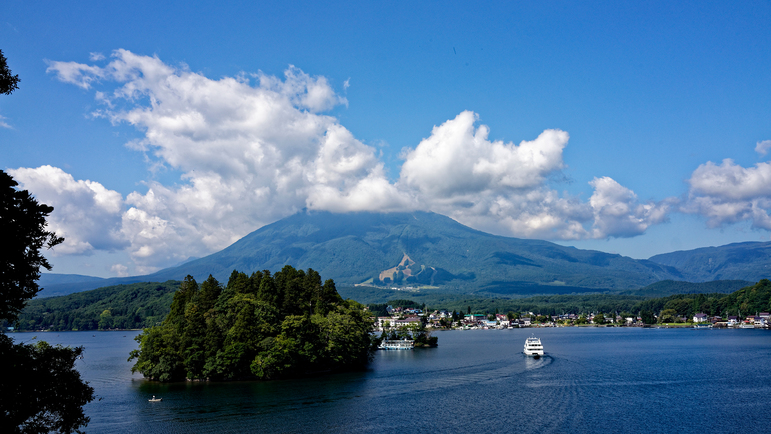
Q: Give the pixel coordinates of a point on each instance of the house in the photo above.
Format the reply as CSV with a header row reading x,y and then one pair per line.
x,y
700,317
406,322
383,321
525,322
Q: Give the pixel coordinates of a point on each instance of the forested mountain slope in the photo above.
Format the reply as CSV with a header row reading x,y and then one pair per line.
x,y
739,261
434,250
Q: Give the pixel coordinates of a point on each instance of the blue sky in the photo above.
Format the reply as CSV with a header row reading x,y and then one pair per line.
x,y
164,131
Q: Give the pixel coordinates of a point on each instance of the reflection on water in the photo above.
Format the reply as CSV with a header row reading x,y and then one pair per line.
x,y
617,380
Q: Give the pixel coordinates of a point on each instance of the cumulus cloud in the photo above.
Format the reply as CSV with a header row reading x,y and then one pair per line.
x,y
503,187
763,147
85,213
617,211
256,148
458,159
249,153
120,270
729,193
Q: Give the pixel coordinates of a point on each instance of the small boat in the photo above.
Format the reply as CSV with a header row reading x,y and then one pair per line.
x,y
533,347
397,345
154,399
702,326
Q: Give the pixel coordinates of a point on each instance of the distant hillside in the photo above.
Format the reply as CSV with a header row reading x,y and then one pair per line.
x,y
671,287
360,247
133,306
55,285
145,304
749,261
744,302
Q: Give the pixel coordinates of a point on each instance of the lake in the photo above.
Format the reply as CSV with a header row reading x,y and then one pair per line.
x,y
614,380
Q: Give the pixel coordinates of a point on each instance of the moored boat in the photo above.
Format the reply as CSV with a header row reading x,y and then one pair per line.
x,y
533,347
403,344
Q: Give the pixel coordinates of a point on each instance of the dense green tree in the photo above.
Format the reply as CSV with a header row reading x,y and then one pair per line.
x,y
8,81
22,235
290,325
40,390
647,317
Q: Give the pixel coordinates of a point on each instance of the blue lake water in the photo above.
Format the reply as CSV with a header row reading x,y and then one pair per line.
x,y
616,380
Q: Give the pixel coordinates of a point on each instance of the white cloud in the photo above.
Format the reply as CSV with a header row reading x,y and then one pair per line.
x,y
3,124
95,56
75,73
729,193
251,153
85,213
120,270
502,187
731,181
763,147
618,213
457,159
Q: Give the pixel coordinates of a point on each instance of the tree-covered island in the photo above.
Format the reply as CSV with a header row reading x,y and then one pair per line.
x,y
261,326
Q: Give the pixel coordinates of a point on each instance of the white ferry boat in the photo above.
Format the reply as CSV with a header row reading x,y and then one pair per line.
x,y
403,344
533,347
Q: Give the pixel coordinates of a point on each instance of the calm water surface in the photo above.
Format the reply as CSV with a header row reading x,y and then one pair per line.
x,y
591,380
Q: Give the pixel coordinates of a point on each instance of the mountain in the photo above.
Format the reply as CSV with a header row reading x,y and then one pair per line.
x,y
421,249
749,261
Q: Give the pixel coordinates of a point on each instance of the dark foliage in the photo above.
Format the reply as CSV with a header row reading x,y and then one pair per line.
x,y
22,235
261,326
41,390
8,81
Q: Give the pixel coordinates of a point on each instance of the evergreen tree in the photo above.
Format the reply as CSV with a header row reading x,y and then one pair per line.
x,y
236,333
40,390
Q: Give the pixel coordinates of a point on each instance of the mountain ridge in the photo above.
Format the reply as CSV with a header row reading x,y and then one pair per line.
x,y
364,247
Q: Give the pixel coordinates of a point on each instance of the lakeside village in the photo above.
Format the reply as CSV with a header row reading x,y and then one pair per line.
x,y
413,319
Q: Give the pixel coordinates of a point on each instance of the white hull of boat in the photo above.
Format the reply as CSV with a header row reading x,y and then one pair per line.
x,y
533,347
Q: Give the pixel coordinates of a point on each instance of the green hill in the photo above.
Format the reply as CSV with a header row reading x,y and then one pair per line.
x,y
132,306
